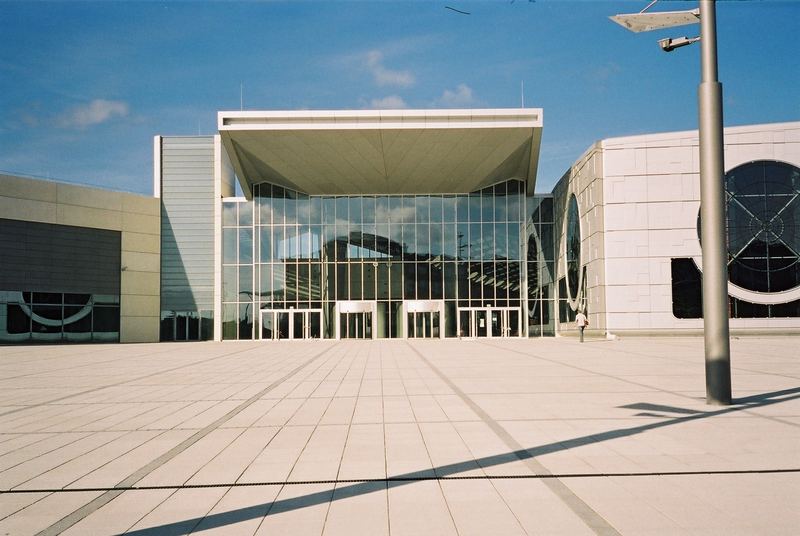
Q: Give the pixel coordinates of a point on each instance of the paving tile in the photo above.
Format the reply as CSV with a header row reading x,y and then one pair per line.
x,y
339,411
240,512
358,509
279,456
121,513
113,472
67,473
45,512
183,466
538,509
299,510
364,453
322,454
180,513
449,454
368,409
406,454
251,414
229,464
397,409
12,503
34,467
280,413
310,412
426,409
419,508
478,509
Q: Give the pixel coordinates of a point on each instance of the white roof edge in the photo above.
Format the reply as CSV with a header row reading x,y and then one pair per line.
x,y
736,129
367,119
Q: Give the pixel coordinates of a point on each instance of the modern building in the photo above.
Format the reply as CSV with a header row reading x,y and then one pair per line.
x,y
78,264
399,224
629,250
353,224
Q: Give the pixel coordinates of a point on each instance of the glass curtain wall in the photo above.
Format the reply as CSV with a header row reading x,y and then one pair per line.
x,y
540,266
286,251
58,317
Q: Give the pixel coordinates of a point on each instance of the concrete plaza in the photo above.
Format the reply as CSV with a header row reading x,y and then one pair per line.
x,y
524,436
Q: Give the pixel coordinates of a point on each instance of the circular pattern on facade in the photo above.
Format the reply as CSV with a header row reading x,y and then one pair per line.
x,y
763,220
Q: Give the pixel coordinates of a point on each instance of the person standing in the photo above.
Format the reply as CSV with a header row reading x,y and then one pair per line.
x,y
581,321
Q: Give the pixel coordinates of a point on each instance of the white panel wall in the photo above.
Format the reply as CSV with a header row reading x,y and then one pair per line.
x,y
651,195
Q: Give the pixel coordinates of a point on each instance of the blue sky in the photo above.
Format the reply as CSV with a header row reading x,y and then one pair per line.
x,y
85,86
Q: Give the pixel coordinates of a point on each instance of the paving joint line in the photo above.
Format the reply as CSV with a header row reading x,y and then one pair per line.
x,y
529,476
733,407
123,382
579,507
98,502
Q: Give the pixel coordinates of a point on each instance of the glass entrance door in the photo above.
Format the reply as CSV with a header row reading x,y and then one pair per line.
x,y
291,324
498,323
481,327
489,322
512,326
423,325
186,326
355,325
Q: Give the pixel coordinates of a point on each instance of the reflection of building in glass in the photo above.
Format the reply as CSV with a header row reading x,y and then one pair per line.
x,y
540,266
397,224
287,251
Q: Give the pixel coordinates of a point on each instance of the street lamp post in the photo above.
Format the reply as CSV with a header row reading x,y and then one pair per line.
x,y
712,194
712,216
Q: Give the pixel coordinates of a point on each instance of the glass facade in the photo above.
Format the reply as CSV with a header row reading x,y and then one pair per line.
x,y
763,227
187,325
382,266
687,297
58,317
763,220
540,267
573,247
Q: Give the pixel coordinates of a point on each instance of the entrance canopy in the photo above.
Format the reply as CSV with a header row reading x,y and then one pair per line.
x,y
383,151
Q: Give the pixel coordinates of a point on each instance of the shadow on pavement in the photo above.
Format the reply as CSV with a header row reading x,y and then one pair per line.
x,y
222,519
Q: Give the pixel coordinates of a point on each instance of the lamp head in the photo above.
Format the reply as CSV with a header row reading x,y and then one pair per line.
x,y
671,43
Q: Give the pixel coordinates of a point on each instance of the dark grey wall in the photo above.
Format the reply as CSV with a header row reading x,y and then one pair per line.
x,y
47,257
187,223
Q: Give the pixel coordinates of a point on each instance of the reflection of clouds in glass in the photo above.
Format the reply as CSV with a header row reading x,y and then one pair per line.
x,y
402,214
344,224
304,244
358,252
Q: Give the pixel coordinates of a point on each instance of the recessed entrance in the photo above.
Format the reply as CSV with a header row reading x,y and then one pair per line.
x,y
423,325
489,322
423,318
355,325
187,326
282,324
356,319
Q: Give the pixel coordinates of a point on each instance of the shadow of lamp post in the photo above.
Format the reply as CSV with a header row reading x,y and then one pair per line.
x,y
712,194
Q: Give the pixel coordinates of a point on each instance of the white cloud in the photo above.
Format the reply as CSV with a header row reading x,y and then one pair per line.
x,y
392,102
96,112
461,96
384,76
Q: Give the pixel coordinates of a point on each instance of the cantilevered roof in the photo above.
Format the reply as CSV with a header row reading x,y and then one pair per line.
x,y
383,151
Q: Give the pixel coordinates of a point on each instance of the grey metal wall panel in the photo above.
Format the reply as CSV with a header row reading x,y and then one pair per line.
x,y
58,258
187,223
